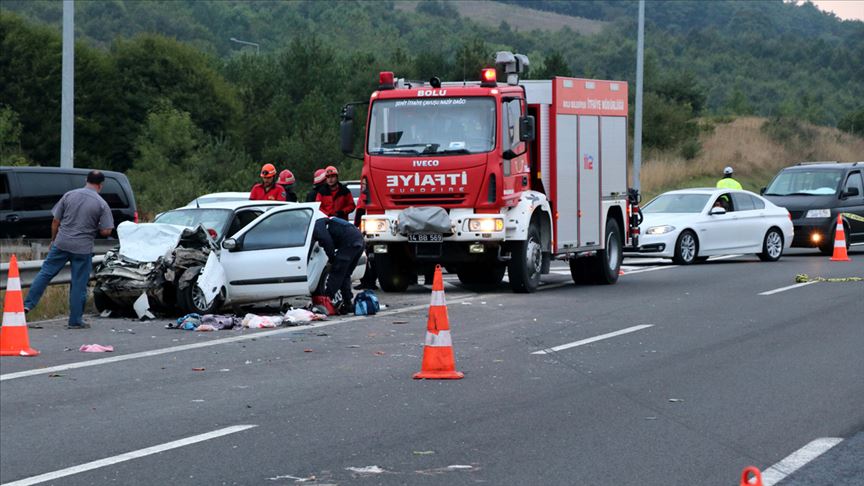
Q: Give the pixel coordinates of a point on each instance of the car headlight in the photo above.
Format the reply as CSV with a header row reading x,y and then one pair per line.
x,y
818,213
486,225
659,230
374,225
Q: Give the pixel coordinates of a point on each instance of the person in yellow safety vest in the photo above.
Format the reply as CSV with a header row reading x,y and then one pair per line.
x,y
727,182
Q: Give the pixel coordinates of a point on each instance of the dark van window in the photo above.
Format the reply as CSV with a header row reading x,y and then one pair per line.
x,y
40,191
113,194
854,180
4,193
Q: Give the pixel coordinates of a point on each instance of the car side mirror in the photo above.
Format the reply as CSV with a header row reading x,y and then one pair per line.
x,y
526,128
231,244
852,191
715,211
762,191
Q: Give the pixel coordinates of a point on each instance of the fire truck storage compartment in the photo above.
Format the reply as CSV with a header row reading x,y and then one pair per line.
x,y
585,148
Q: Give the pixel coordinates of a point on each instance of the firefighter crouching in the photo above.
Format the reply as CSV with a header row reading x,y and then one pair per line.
x,y
343,244
336,199
267,189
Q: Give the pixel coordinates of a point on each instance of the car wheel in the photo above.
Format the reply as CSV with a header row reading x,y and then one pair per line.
x,y
772,246
102,301
686,248
526,262
391,275
191,298
481,276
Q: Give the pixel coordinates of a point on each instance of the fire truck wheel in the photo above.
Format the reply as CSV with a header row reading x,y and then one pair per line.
x,y
391,277
526,262
607,262
481,276
686,248
581,270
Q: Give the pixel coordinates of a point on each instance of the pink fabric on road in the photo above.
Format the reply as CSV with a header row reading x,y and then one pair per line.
x,y
95,348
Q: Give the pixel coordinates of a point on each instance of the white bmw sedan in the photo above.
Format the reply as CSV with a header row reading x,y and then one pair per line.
x,y
689,225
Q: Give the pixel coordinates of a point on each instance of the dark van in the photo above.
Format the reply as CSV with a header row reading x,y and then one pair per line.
x,y
814,193
27,195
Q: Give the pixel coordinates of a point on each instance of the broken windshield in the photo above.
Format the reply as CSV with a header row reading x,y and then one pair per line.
x,y
432,126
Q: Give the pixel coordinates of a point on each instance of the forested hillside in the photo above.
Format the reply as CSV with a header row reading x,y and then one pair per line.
x,y
163,93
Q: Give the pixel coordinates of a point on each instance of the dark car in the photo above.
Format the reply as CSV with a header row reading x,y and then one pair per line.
x,y
27,195
814,193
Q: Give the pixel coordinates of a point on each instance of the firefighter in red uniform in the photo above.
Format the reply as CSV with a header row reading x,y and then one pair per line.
x,y
336,199
267,189
286,180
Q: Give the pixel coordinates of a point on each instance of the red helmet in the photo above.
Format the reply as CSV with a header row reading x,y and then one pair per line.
x,y
320,175
268,170
286,178
330,170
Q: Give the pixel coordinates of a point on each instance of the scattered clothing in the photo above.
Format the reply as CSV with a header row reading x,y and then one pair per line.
x,y
253,321
96,348
366,304
220,322
188,322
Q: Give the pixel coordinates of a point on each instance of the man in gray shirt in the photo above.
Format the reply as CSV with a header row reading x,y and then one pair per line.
x,y
78,217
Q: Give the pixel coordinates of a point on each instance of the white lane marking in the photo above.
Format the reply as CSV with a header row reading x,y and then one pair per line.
x,y
722,257
790,287
128,456
215,342
593,339
651,269
797,459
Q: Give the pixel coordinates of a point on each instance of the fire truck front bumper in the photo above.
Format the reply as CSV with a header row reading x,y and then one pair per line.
x,y
476,232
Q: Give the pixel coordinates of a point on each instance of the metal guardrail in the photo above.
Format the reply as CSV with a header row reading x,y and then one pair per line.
x,y
30,268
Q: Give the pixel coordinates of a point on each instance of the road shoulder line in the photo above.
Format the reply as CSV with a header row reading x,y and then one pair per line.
x,y
593,339
789,287
108,461
798,459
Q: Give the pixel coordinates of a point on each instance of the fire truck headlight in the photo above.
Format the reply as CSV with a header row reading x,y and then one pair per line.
x,y
659,230
486,225
374,225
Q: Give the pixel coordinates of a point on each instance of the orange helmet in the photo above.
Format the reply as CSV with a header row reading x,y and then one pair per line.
x,y
320,175
330,170
286,178
268,170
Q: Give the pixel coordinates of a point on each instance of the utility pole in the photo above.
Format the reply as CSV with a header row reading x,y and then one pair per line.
x,y
67,100
637,135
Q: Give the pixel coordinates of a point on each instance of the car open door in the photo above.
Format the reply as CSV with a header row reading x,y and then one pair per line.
x,y
272,256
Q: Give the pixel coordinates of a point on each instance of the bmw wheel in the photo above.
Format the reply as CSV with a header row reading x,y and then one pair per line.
x,y
686,248
772,246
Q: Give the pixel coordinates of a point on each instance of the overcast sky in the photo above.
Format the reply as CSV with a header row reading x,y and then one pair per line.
x,y
845,9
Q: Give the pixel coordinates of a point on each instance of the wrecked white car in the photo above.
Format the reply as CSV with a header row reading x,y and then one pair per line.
x,y
181,268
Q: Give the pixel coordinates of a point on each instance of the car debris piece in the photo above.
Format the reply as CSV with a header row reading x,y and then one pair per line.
x,y
95,348
142,307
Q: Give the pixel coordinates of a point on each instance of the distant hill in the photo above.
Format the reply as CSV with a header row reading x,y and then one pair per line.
x,y
523,18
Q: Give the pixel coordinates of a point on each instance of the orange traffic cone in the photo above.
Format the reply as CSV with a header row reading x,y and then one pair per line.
x,y
13,332
438,361
745,479
840,254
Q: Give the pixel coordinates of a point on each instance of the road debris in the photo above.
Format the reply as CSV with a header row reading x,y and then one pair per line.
x,y
423,453
95,348
366,470
676,400
198,369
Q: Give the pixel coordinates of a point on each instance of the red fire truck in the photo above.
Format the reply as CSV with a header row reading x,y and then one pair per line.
x,y
489,176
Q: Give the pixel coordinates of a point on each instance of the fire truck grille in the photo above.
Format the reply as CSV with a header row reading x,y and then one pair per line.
x,y
428,199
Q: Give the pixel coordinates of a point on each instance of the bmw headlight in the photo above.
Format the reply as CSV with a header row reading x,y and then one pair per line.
x,y
818,213
660,230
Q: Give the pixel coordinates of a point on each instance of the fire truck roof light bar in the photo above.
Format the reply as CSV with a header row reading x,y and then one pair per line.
x,y
488,78
385,80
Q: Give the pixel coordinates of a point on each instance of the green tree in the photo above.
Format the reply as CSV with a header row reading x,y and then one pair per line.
x,y
853,122
10,138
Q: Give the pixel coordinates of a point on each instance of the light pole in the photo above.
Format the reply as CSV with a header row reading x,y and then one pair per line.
x,y
637,135
67,97
257,47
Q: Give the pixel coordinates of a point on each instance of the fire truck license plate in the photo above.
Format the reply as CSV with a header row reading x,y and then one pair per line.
x,y
425,237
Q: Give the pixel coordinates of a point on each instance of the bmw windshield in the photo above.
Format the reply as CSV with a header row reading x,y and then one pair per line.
x,y
805,183
677,203
432,126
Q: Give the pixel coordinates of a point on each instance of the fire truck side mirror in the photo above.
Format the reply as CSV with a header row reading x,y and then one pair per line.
x,y
526,128
346,130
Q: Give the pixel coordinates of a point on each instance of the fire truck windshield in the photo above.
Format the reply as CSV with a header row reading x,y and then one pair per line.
x,y
432,126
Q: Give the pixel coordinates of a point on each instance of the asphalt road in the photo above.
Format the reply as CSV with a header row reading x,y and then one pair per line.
x,y
678,375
